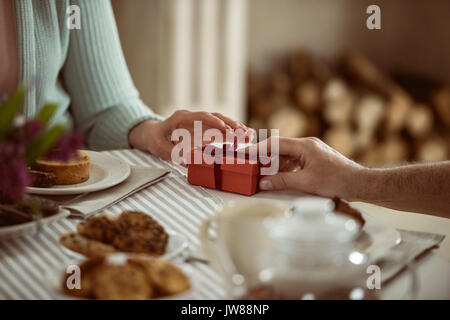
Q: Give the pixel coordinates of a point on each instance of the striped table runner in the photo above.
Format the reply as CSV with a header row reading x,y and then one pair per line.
x,y
177,205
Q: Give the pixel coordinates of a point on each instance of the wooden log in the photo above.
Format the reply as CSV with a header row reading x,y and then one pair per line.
x,y
339,101
398,106
335,89
281,83
364,139
394,150
315,126
320,71
364,71
372,155
441,102
308,95
419,121
301,66
369,111
418,85
339,112
290,121
342,139
433,149
367,73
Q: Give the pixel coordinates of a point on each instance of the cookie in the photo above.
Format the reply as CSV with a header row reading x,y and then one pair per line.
x,y
167,278
124,282
140,233
87,283
85,246
137,221
102,228
152,242
131,232
120,276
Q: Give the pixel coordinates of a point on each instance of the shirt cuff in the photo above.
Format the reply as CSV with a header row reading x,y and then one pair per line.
x,y
112,129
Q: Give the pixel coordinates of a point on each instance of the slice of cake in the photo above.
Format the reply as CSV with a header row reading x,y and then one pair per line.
x,y
76,170
42,179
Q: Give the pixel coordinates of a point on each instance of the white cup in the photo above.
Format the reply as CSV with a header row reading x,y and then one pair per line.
x,y
242,245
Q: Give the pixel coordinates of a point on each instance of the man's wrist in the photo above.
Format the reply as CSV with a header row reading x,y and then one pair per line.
x,y
360,186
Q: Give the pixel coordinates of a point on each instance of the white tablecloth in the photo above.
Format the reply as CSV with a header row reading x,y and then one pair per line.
x,y
177,205
25,262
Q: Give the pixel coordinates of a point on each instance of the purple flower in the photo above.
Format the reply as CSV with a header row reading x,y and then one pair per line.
x,y
25,132
31,129
66,147
13,171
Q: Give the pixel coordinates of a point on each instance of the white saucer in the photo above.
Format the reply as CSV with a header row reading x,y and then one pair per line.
x,y
377,239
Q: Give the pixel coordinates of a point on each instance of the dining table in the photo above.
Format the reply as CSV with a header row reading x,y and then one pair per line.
x,y
27,261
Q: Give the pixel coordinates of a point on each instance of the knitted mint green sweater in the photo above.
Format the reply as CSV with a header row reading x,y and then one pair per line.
x,y
84,71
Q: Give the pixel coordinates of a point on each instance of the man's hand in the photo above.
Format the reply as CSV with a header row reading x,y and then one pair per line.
x,y
309,165
155,136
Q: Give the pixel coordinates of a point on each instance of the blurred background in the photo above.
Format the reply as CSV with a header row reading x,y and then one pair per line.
x,y
306,67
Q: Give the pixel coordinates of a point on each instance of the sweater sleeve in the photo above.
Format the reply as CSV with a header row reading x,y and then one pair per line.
x,y
104,101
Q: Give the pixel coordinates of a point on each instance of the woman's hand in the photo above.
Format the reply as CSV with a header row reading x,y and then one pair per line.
x,y
309,165
155,136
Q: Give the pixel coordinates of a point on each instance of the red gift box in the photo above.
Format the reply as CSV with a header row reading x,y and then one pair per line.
x,y
234,173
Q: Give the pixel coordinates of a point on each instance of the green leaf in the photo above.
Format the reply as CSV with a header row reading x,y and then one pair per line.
x,y
42,143
47,112
9,109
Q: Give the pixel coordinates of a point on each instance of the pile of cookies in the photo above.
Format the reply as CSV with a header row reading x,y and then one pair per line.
x,y
132,231
120,276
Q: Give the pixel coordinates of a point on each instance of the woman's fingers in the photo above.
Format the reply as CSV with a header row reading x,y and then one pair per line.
x,y
186,120
207,120
232,123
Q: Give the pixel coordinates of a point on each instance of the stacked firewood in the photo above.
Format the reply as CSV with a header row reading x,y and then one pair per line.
x,y
354,107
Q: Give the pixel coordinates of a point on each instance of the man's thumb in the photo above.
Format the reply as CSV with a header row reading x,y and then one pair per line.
x,y
279,181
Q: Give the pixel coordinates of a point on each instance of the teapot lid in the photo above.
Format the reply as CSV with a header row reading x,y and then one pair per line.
x,y
314,222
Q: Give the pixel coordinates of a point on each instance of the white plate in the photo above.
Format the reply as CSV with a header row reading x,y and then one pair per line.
x,y
105,171
30,227
54,275
377,239
176,244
